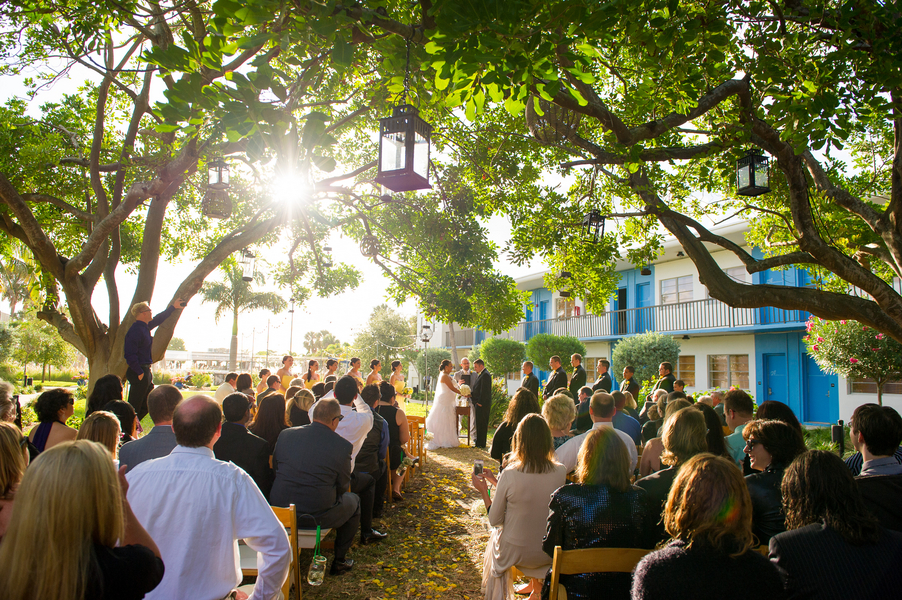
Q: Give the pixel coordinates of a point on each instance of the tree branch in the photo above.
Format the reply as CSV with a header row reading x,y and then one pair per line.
x,y
75,212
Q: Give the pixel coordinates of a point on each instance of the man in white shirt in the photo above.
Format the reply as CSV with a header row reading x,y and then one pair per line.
x,y
228,387
196,508
602,410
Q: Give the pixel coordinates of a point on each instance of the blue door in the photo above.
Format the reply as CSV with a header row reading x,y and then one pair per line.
x,y
619,325
644,319
775,379
820,399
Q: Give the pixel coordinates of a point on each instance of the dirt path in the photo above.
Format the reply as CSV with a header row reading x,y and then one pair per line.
x,y
436,539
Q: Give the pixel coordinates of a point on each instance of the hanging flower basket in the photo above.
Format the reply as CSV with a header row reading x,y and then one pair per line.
x,y
555,125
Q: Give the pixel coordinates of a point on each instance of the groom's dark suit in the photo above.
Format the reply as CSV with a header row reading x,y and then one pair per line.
x,y
481,397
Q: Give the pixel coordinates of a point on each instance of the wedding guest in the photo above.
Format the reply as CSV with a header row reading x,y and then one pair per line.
x,y
106,389
709,516
263,375
245,385
160,440
197,508
329,386
631,408
834,548
229,386
371,458
774,410
679,386
652,427
74,534
374,376
560,413
603,383
771,446
128,420
557,379
716,443
523,403
137,351
292,391
738,410
238,445
272,387
602,510
13,461
530,381
53,408
102,427
319,390
578,379
855,461
311,377
683,437
583,418
298,407
651,454
398,435
623,421
876,432
270,419
602,411
284,374
8,408
523,490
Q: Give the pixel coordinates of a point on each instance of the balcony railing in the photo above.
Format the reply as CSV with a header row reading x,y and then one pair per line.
x,y
708,314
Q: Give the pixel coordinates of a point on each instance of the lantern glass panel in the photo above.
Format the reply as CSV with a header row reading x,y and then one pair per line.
x,y
761,174
745,176
420,155
394,150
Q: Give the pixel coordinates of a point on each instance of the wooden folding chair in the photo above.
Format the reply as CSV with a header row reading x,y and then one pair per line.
x,y
420,436
592,560
248,556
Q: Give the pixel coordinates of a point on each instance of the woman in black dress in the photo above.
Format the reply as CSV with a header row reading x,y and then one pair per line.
x,y
398,434
523,403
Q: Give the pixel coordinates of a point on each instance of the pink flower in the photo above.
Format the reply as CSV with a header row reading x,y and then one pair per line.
x,y
879,336
874,349
814,347
853,360
806,338
820,339
809,326
865,328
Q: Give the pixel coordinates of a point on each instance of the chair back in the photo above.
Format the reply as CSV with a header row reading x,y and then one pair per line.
x,y
592,560
288,517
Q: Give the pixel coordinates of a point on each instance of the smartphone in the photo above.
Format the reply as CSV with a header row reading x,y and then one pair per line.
x,y
477,467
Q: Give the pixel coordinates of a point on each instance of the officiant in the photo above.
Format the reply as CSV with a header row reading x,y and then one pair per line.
x,y
467,377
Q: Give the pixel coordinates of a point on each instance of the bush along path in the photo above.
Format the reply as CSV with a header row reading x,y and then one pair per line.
x,y
437,538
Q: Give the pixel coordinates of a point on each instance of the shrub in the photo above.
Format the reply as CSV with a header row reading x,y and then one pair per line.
x,y
502,356
500,401
645,352
436,356
202,380
543,346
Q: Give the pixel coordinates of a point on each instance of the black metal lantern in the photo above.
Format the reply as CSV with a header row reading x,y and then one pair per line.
x,y
247,260
564,293
216,204
593,227
218,174
752,174
327,257
564,275
404,146
646,271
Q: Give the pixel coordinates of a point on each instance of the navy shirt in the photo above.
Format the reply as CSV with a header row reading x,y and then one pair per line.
x,y
138,341
628,425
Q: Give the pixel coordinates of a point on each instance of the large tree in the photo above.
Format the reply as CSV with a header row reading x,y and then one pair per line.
x,y
387,336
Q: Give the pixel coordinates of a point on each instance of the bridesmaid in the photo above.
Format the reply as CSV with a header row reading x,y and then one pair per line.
x,y
331,368
264,375
354,371
396,379
311,377
374,376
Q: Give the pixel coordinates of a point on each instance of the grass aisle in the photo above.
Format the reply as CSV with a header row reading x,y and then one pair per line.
x,y
436,539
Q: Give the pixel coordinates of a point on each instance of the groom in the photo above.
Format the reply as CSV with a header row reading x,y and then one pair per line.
x,y
481,397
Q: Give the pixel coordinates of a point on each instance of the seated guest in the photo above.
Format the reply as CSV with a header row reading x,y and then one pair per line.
x,y
559,413
371,458
651,428
53,408
128,419
523,403
771,446
709,516
583,418
273,386
738,410
523,490
716,443
876,432
774,410
264,380
398,435
299,406
106,389
230,385
313,471
197,508
601,511
319,390
706,399
602,411
13,460
8,408
654,448
683,438
160,440
245,385
631,408
238,445
71,507
102,427
270,419
623,421
834,548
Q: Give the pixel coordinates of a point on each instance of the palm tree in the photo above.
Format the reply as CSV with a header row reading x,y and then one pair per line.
x,y
18,280
235,295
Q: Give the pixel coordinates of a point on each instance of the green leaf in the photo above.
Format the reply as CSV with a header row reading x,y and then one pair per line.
x,y
343,53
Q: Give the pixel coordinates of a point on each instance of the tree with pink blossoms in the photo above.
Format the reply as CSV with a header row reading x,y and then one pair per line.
x,y
853,350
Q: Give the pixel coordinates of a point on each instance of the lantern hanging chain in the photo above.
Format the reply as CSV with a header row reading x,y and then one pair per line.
x,y
407,73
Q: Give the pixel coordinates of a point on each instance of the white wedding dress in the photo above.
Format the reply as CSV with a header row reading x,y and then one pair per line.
x,y
441,421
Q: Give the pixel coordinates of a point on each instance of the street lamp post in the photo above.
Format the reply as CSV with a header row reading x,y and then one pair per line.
x,y
291,330
425,336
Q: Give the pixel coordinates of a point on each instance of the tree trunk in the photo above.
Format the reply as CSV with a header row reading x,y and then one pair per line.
x,y
233,346
453,345
880,384
43,372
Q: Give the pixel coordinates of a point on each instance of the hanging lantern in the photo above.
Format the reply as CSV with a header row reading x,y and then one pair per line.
x,y
645,271
564,275
564,294
752,174
369,246
593,227
555,125
327,257
218,174
404,146
216,204
246,260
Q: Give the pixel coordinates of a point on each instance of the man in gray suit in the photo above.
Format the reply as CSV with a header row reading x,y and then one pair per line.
x,y
313,471
160,440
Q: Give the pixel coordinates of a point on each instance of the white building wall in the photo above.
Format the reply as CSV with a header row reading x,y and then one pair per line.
x,y
701,347
848,401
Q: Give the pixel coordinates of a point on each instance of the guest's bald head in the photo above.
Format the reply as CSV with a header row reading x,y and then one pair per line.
x,y
196,421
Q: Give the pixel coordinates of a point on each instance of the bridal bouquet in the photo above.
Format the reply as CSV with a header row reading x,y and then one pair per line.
x,y
406,391
465,390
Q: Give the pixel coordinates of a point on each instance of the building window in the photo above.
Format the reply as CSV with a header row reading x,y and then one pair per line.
x,y
590,364
677,289
686,370
565,307
867,385
728,370
736,274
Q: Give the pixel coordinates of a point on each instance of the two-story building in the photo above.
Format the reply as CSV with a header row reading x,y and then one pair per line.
x,y
760,350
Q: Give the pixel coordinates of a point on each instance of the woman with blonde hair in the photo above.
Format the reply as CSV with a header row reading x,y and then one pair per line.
x,y
298,405
560,412
71,512
601,511
654,448
709,516
102,427
13,460
523,491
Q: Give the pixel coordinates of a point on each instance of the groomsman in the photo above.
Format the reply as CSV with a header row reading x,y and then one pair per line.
x,y
557,380
629,382
578,381
530,381
604,381
482,398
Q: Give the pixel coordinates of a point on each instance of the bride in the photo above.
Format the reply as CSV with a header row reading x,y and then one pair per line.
x,y
442,419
